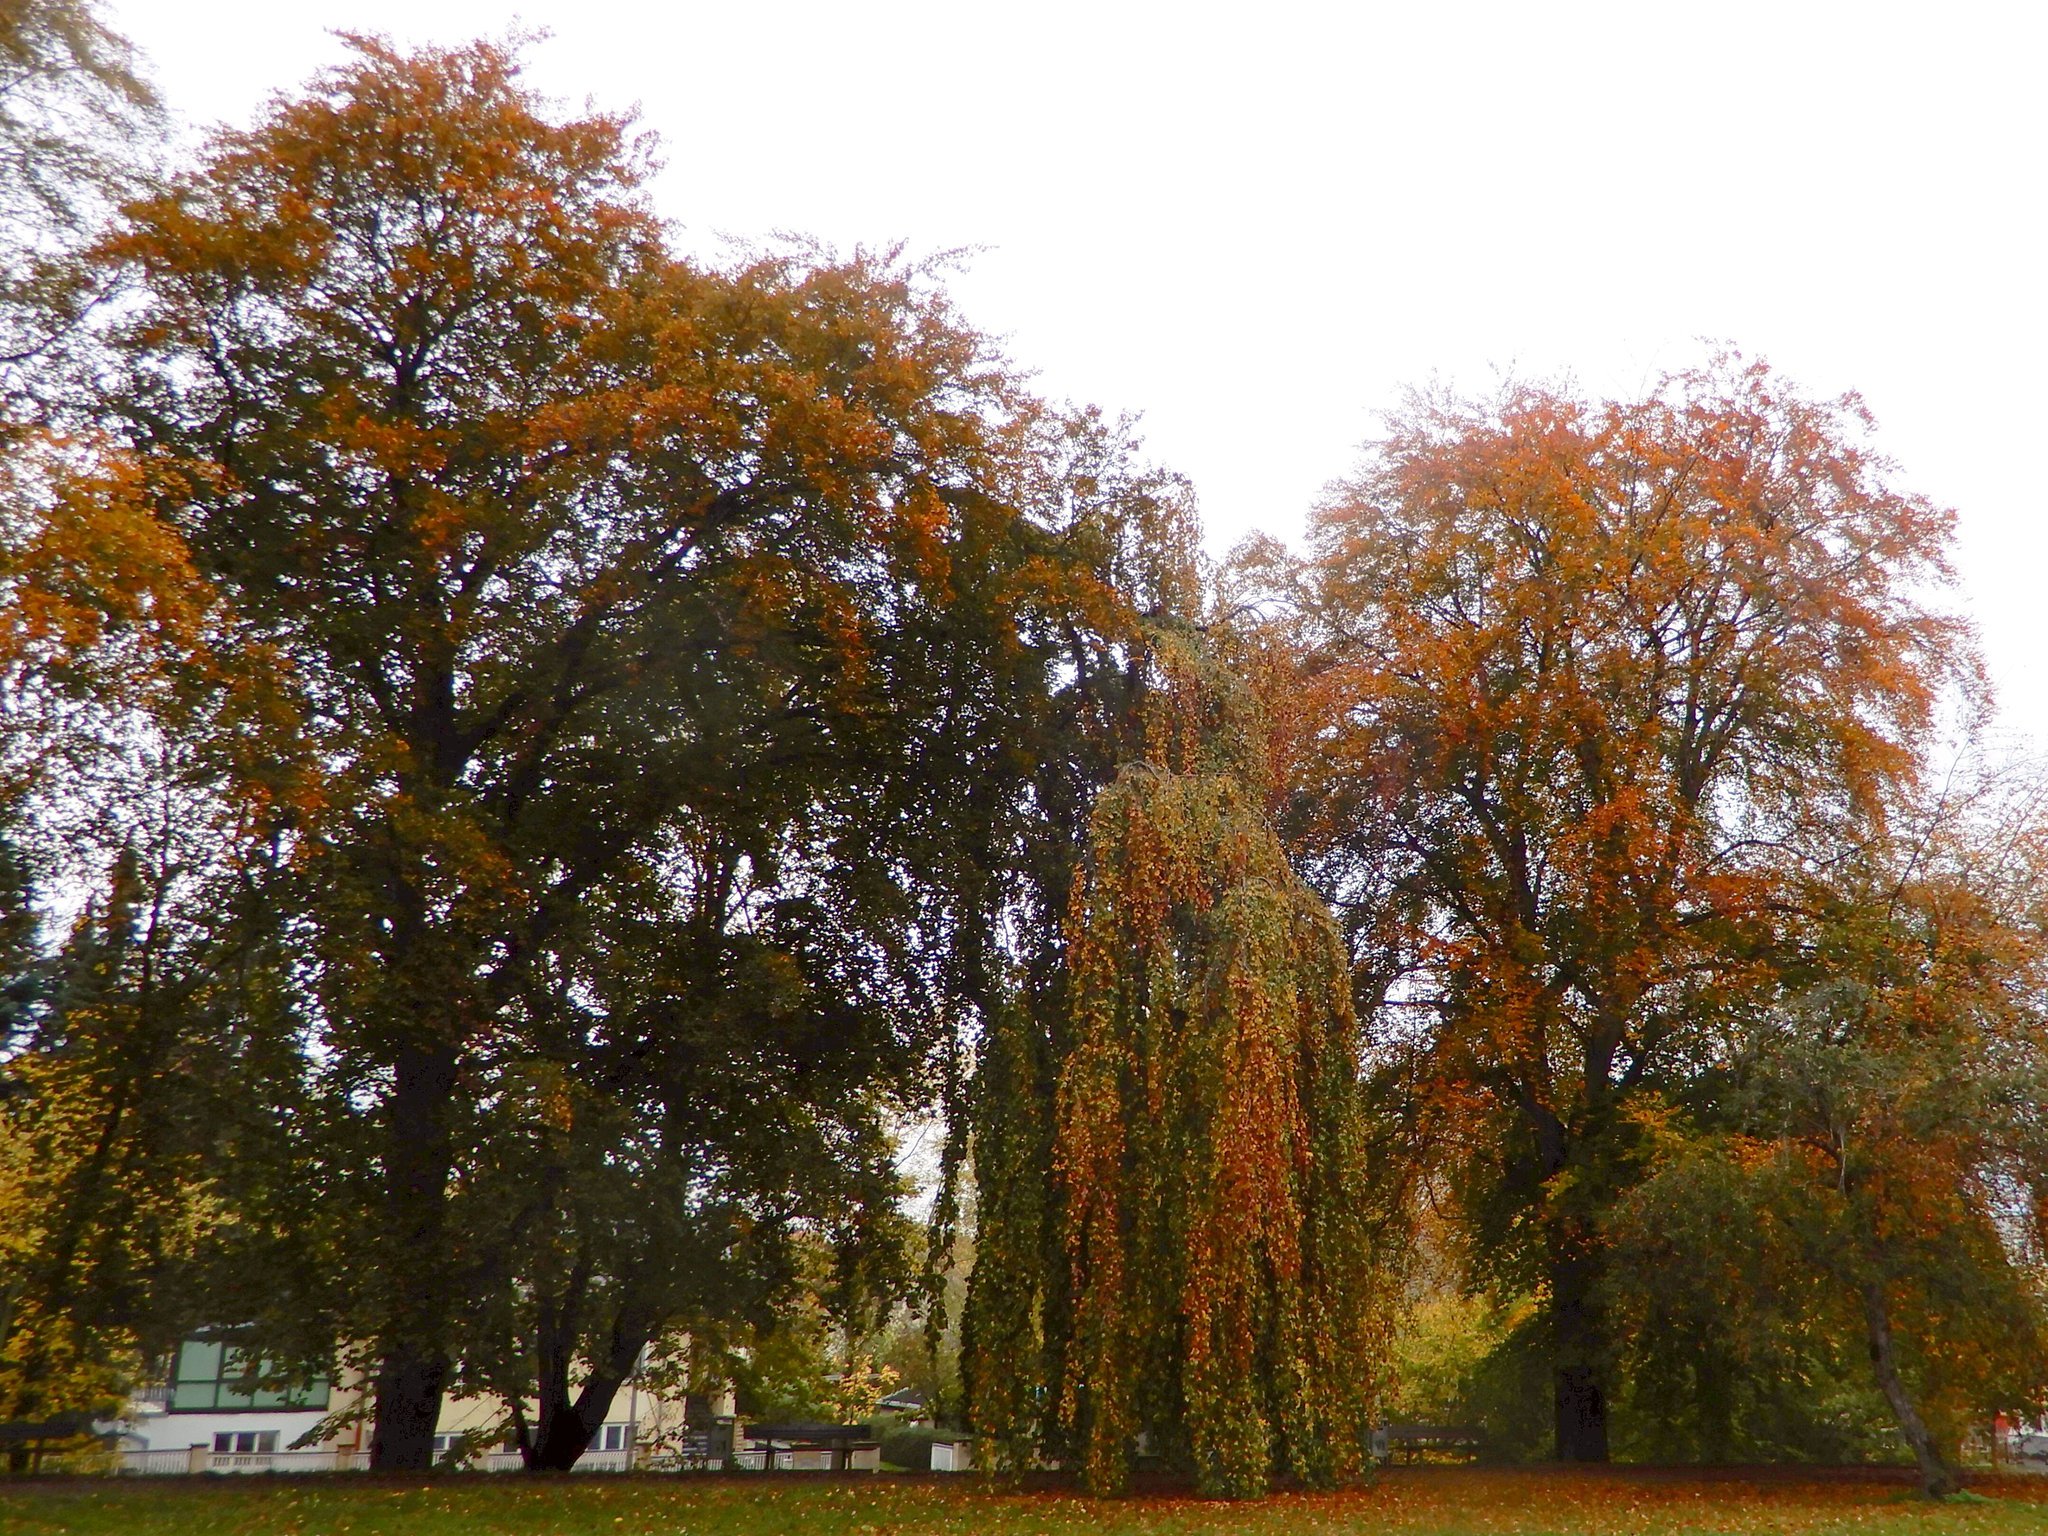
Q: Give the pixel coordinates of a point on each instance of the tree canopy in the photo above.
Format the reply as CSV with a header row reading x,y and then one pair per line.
x,y
1608,694
528,758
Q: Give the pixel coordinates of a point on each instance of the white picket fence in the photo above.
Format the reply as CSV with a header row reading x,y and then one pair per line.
x,y
199,1458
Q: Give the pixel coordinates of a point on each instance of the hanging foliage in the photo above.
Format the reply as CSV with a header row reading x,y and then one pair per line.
x,y
1208,1159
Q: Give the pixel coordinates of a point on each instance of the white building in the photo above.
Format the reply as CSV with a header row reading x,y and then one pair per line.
x,y
212,1416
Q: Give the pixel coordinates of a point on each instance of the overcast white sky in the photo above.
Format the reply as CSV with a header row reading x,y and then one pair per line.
x,y
1256,224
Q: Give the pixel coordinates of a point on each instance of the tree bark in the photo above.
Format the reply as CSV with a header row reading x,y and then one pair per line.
x,y
565,1428
1581,1408
408,1407
1937,1478
1580,1396
418,1161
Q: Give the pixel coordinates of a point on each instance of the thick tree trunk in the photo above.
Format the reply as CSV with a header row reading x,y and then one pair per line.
x,y
1576,1262
565,1427
408,1406
1937,1479
1581,1408
418,1161
1581,1397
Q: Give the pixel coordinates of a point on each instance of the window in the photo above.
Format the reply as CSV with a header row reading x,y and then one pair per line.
x,y
211,1375
465,1444
611,1437
245,1442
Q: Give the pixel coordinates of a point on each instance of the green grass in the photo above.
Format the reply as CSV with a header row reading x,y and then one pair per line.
x,y
1405,1502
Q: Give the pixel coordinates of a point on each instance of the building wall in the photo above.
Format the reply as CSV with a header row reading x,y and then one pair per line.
x,y
651,1422
176,1431
648,1424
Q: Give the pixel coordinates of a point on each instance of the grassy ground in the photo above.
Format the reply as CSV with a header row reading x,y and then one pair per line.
x,y
1403,1502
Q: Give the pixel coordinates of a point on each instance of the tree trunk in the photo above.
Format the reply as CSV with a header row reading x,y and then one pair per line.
x,y
408,1406
418,1272
565,1428
1937,1480
1714,1394
1581,1408
1580,1400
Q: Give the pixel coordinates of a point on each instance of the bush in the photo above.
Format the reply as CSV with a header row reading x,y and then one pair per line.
x,y
910,1446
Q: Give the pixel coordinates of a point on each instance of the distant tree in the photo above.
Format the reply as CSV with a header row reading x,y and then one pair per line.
x,y
131,1061
149,1061
689,1121
1732,1344
1596,681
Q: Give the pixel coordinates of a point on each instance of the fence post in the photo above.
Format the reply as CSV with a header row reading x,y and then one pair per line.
x,y
196,1458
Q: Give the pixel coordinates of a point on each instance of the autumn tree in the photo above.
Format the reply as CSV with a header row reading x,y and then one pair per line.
x,y
1208,1141
1017,1320
592,568
149,1061
135,1059
1876,1130
1601,677
79,126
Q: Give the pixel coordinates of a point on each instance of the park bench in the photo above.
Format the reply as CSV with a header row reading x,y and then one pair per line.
x,y
1413,1440
813,1447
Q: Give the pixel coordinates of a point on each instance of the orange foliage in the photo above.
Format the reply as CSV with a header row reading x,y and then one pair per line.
x,y
1590,684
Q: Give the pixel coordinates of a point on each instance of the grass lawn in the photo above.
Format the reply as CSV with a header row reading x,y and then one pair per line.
x,y
1408,1501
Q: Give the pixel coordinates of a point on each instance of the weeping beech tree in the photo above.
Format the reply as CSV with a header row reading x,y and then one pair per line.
x,y
1208,1157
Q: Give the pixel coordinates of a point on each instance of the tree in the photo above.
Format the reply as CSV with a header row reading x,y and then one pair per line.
x,y
1878,1129
77,127
1208,1147
137,1058
1602,676
695,1122
752,1025
137,1089
590,566
1139,533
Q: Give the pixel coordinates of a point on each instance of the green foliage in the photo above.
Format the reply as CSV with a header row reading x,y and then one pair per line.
x,y
1440,1344
136,1096
910,1446
1737,1348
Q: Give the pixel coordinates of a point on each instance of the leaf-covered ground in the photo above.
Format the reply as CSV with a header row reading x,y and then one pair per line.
x,y
1409,1502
